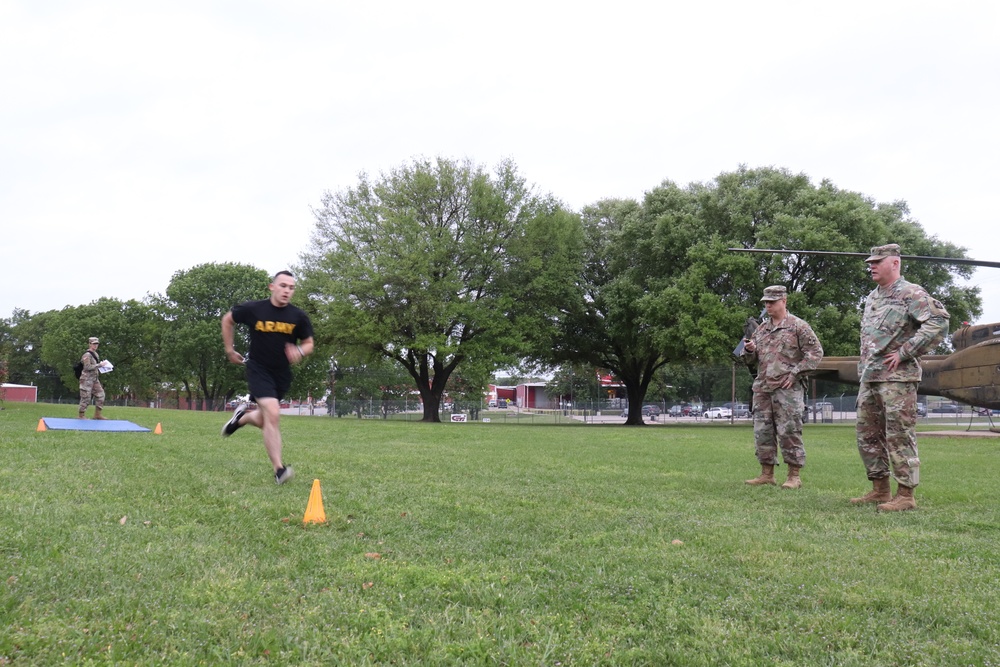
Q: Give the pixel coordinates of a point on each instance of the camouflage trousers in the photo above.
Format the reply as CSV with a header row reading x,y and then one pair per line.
x,y
777,422
887,431
91,389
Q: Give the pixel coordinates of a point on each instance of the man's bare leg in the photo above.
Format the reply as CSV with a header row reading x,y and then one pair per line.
x,y
266,417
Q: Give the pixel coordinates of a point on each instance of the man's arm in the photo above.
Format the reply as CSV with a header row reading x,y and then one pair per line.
x,y
933,319
228,329
812,349
307,345
296,353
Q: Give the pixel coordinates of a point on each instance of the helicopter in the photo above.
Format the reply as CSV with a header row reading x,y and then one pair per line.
x,y
970,374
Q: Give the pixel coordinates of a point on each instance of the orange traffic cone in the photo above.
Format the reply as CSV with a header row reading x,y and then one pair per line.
x,y
41,425
314,510
158,430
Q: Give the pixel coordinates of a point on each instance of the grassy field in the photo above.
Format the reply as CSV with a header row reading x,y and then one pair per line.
x,y
483,544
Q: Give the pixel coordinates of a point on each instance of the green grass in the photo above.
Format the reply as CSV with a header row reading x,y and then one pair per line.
x,y
497,545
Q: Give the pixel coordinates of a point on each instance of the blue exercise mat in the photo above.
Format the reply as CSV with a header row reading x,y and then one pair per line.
x,y
59,424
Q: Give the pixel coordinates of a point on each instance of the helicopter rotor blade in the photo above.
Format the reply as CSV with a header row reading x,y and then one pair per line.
x,y
919,258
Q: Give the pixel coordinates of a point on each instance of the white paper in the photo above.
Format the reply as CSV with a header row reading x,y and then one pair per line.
x,y
106,366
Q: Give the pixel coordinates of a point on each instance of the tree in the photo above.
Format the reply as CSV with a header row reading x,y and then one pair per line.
x,y
362,387
21,347
192,311
772,208
668,384
661,286
576,384
467,388
128,334
438,264
625,316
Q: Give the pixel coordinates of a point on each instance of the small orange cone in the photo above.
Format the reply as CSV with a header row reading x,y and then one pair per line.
x,y
314,510
158,430
41,425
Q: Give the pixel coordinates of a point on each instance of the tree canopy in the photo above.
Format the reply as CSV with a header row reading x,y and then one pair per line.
x,y
438,264
129,338
192,310
660,285
450,271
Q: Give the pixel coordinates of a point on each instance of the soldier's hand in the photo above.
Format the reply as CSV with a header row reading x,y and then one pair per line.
x,y
748,345
892,361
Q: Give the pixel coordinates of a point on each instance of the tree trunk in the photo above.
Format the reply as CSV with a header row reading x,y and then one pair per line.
x,y
634,405
432,405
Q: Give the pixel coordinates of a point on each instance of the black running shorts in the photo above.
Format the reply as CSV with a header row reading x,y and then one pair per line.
x,y
265,383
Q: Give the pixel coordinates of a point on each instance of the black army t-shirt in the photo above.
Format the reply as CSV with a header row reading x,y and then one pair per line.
x,y
270,328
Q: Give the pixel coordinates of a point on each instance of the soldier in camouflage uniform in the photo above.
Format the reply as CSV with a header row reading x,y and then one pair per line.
x,y
901,322
90,383
783,347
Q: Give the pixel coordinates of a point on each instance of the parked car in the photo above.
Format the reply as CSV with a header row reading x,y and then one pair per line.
x,y
921,409
947,407
718,413
821,405
741,411
677,411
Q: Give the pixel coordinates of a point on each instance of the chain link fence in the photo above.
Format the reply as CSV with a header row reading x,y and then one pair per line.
x,y
834,409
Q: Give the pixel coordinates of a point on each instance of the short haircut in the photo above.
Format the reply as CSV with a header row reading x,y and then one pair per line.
x,y
282,273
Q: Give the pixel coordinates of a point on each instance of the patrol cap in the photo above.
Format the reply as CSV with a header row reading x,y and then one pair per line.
x,y
774,293
94,340
882,251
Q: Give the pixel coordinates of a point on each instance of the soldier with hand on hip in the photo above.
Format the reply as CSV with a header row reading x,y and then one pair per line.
x,y
901,321
783,348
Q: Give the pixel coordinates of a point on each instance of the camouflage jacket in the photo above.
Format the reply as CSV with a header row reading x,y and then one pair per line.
x,y
903,317
90,362
790,347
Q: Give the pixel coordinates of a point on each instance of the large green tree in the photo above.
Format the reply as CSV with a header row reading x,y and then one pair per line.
x,y
192,309
363,386
661,286
129,339
436,264
636,305
773,208
21,351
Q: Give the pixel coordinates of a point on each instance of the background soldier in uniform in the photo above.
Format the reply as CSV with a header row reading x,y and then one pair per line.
x,y
901,322
783,348
90,383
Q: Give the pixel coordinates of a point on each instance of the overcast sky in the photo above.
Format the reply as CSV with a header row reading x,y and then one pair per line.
x,y
138,139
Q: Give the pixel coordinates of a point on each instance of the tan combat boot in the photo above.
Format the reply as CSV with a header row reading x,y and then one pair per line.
x,y
766,476
793,481
82,415
880,493
902,501
98,415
